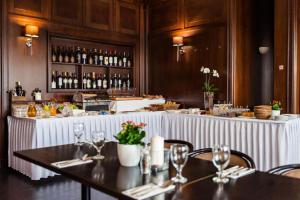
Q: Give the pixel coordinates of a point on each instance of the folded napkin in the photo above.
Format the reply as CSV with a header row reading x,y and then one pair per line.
x,y
146,191
240,173
70,163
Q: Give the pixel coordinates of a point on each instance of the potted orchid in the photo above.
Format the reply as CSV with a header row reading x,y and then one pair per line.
x,y
276,108
209,88
130,140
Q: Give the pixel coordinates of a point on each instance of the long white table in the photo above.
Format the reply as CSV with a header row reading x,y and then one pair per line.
x,y
269,143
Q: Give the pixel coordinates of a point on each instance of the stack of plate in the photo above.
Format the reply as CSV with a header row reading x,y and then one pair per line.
x,y
263,111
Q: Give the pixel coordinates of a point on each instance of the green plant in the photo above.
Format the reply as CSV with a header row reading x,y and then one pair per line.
x,y
276,105
131,133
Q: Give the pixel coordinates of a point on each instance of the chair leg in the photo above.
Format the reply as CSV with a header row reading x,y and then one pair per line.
x,y
85,192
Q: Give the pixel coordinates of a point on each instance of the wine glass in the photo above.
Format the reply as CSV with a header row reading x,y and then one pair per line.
x,y
179,157
221,158
78,129
98,141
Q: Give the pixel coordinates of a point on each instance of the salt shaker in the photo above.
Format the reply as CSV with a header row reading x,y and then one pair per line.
x,y
145,163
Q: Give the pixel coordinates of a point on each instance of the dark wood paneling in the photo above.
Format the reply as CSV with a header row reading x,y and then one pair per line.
x,y
199,12
67,11
34,8
99,14
127,17
166,15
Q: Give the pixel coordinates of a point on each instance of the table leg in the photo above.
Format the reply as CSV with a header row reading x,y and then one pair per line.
x,y
85,192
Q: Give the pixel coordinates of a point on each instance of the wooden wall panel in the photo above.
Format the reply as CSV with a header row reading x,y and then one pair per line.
x,y
99,14
34,8
127,17
67,11
199,12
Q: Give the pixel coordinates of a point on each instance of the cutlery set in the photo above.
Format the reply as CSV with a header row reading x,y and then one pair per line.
x,y
237,172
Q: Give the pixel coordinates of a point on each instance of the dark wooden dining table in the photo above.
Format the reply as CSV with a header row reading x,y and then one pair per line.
x,y
109,177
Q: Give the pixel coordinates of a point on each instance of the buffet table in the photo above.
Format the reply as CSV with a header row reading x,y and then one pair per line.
x,y
269,143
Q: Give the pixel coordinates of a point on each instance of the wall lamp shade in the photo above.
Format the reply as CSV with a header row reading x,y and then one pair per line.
x,y
31,31
178,41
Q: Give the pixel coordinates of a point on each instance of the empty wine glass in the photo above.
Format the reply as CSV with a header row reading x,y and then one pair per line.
x,y
221,158
78,129
98,141
179,157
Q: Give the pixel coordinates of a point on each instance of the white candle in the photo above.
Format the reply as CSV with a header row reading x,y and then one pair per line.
x,y
157,151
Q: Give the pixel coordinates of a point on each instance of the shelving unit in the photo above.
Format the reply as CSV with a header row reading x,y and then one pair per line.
x,y
80,69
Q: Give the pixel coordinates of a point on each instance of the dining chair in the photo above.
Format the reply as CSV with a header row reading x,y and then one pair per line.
x,y
236,157
168,144
292,171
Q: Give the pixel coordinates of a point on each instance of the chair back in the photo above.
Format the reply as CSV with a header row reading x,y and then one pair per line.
x,y
236,157
168,144
292,171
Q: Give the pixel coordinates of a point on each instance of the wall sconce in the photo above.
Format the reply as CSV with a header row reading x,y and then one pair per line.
x,y
178,42
31,32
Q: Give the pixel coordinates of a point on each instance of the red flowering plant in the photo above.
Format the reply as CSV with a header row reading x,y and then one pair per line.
x,y
131,133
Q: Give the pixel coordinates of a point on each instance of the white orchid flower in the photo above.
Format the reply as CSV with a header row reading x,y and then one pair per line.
x,y
206,71
202,69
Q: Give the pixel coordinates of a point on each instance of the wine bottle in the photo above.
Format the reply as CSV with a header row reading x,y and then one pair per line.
x,y
75,81
66,55
84,56
106,59
110,82
88,81
65,80
78,55
91,57
100,57
104,82
110,59
54,54
99,82
70,81
124,82
129,60
84,81
128,81
59,81
124,60
120,60
60,55
94,80
53,80
115,59
72,55
115,81
95,56
119,82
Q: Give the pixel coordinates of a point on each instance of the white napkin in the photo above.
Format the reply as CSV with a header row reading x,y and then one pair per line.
x,y
70,163
241,173
146,191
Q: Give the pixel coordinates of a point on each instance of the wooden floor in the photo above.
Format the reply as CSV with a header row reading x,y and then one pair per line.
x,y
15,186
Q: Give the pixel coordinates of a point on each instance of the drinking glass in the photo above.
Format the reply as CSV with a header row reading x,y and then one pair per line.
x,y
179,157
221,158
78,129
98,141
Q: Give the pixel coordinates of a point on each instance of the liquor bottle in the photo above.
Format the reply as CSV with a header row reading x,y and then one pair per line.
x,y
88,81
110,59
70,81
110,82
75,81
59,81
99,82
94,80
54,54
124,60
128,81
115,81
66,55
84,56
106,59
84,81
124,82
115,59
72,55
104,82
100,57
78,55
129,61
90,57
119,82
65,80
120,60
60,55
53,80
95,56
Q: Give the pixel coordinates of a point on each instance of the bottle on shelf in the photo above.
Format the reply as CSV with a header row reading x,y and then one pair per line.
x,y
60,55
99,81
115,59
70,81
129,60
111,82
54,54
95,57
124,82
106,59
53,80
84,56
66,55
72,55
90,57
59,81
128,81
65,80
104,82
119,82
78,55
120,60
75,81
115,81
110,59
124,59
88,81
84,81
94,80
101,57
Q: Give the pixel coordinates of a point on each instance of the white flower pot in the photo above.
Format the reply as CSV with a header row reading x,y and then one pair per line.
x,y
275,113
129,155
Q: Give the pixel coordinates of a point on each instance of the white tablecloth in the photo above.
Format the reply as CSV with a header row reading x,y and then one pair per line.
x,y
38,133
269,143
